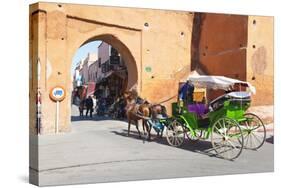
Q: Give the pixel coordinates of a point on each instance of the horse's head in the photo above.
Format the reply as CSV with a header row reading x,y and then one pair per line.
x,y
130,96
158,109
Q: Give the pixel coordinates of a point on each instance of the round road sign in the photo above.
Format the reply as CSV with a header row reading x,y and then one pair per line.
x,y
57,93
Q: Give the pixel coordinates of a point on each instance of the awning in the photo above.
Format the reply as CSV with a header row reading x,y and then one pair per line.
x,y
218,82
91,88
120,73
82,90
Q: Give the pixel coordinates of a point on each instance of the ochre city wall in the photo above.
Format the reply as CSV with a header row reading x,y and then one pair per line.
x,y
222,45
154,43
260,58
160,48
236,46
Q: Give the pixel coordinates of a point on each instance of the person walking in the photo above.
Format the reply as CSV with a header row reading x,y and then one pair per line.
x,y
81,107
94,103
89,105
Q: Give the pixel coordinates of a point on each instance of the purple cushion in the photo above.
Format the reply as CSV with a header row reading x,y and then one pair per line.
x,y
199,109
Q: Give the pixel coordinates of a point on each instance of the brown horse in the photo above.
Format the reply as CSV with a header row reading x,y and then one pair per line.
x,y
136,111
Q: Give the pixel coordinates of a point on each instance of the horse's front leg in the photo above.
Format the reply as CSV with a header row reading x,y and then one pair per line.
x,y
129,126
148,128
137,126
143,126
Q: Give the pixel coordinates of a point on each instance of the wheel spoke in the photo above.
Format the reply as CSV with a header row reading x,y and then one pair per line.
x,y
247,139
175,134
218,146
173,140
230,138
255,128
219,131
254,140
247,124
231,144
224,128
176,140
259,136
255,136
216,138
251,140
228,152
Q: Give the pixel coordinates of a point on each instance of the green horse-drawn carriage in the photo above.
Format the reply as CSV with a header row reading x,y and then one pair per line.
x,y
223,120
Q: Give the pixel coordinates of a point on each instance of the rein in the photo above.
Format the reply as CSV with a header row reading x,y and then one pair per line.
x,y
166,100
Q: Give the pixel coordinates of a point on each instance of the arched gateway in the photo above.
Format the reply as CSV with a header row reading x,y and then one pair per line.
x,y
147,39
129,59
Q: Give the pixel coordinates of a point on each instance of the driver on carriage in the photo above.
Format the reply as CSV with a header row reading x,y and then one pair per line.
x,y
186,93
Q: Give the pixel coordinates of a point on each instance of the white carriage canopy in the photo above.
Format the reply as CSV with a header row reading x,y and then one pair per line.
x,y
218,82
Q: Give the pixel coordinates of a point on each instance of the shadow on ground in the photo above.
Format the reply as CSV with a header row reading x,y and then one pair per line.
x,y
202,146
270,140
133,134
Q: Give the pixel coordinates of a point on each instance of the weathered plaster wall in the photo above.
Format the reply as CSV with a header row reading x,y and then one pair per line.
x,y
238,47
220,48
260,58
155,45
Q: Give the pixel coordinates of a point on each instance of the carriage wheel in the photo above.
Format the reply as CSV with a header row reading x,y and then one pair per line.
x,y
227,139
254,131
175,133
196,137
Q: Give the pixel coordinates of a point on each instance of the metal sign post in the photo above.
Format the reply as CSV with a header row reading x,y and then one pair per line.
x,y
57,94
57,116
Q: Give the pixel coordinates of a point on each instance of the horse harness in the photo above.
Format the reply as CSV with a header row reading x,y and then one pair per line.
x,y
136,110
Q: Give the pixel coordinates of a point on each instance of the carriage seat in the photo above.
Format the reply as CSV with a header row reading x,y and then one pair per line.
x,y
199,109
238,96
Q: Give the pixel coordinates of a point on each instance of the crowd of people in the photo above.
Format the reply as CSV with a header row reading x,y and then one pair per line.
x,y
90,104
101,106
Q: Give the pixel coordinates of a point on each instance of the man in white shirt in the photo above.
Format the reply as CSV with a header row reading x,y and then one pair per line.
x,y
94,103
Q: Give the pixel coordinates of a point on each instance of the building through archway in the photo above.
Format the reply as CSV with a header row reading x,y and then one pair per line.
x,y
103,76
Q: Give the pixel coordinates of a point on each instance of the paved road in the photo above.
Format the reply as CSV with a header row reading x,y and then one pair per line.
x,y
100,151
